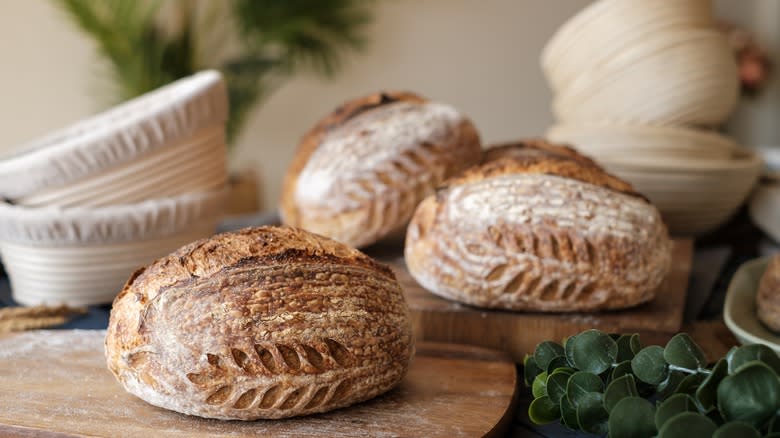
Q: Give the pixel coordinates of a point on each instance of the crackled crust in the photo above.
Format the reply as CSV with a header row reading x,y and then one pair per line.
x,y
360,172
534,147
267,322
540,157
768,296
538,233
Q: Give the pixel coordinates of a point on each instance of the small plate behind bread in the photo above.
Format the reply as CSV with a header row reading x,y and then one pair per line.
x,y
739,312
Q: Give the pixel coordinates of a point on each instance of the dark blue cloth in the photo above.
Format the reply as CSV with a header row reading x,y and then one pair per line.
x,y
97,318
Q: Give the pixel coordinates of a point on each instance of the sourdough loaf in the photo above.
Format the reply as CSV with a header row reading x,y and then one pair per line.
x,y
538,227
361,171
768,296
267,322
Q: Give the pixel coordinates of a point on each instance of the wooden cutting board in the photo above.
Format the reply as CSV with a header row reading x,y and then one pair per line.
x,y
56,384
439,320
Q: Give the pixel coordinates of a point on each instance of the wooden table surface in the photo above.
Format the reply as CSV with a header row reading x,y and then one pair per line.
x,y
56,383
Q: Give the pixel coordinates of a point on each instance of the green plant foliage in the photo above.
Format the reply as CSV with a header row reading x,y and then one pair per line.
x,y
649,365
600,383
688,425
581,384
707,394
542,410
743,355
620,370
736,429
632,417
546,352
556,384
681,351
619,389
591,351
591,415
530,369
751,394
569,413
539,387
673,406
255,43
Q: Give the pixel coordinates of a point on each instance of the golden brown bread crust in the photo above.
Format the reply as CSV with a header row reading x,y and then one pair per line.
x,y
768,296
534,147
267,322
372,197
538,232
540,157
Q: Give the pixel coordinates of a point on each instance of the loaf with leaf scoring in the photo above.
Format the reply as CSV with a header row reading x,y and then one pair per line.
x,y
538,227
268,322
361,171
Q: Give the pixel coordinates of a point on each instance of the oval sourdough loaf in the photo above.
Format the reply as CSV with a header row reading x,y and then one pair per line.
x,y
261,323
361,171
538,227
768,296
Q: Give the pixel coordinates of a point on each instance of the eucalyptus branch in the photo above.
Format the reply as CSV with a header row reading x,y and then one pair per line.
x,y
601,383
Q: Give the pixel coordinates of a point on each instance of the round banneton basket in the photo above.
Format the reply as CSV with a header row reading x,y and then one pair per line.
x,y
693,198
615,26
83,256
643,142
165,143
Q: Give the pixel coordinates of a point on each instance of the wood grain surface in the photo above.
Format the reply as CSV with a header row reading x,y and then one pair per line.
x,y
439,320
56,384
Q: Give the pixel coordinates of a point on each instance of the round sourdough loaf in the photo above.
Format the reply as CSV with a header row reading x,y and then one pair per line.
x,y
538,227
768,296
261,323
361,171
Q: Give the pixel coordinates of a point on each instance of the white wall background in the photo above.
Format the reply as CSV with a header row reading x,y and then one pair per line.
x,y
479,55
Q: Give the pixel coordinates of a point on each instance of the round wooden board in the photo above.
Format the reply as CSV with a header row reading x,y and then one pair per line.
x,y
55,383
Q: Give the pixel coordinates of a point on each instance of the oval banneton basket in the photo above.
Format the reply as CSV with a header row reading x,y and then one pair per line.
x,y
167,142
83,256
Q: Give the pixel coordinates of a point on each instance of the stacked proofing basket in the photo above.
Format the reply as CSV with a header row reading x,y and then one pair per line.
x,y
640,85
88,205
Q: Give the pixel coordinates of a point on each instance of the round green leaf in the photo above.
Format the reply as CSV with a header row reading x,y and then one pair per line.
x,y
591,415
530,369
751,395
625,347
592,351
690,384
707,394
681,351
688,425
636,344
672,406
558,363
556,385
539,387
649,365
736,429
619,389
632,417
542,411
546,352
670,384
569,413
749,353
582,383
620,370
